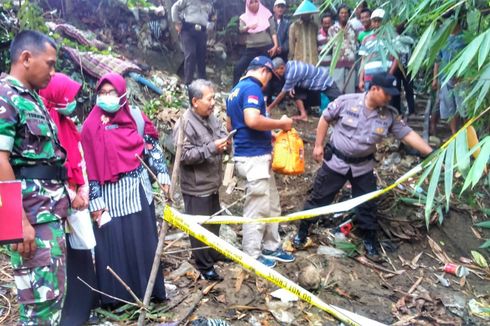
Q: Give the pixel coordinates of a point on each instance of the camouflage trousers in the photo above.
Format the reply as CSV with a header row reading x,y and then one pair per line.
x,y
41,280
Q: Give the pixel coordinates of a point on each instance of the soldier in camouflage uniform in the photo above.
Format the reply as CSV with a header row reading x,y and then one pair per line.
x,y
30,151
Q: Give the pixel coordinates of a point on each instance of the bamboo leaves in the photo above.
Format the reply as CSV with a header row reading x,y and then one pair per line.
x,y
466,57
448,175
476,171
484,50
420,51
454,154
431,192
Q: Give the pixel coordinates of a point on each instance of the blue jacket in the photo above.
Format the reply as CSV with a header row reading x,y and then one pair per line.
x,y
282,35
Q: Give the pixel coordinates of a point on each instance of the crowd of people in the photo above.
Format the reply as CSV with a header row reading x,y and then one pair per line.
x,y
99,169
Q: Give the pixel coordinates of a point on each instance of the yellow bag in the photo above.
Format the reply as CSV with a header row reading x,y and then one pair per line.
x,y
288,156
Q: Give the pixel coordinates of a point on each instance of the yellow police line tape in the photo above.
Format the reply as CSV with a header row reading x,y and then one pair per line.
x,y
187,224
329,209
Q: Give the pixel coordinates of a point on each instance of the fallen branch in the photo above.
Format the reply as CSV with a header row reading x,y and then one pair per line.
x,y
185,250
8,309
417,283
125,286
238,307
364,261
209,288
107,295
193,307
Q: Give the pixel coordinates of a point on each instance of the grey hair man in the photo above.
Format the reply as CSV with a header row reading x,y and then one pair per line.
x,y
204,141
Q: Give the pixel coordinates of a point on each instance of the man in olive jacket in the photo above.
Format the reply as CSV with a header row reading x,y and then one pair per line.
x,y
204,140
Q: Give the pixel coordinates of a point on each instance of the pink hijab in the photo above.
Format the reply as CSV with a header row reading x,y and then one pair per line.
x,y
110,141
62,90
261,18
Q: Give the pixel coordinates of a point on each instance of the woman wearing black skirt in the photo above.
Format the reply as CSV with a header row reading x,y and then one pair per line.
x,y
121,199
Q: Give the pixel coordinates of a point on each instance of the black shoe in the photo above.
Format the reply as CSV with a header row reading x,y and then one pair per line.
x,y
211,275
299,239
371,250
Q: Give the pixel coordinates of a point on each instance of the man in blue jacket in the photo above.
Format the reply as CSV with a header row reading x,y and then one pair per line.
x,y
282,23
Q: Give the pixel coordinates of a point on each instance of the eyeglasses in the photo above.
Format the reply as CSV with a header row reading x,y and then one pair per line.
x,y
112,92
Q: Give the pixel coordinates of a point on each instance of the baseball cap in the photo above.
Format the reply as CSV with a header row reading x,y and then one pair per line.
x,y
261,61
378,13
386,82
280,2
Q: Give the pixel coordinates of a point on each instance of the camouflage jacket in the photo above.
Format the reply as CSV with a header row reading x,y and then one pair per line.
x,y
29,134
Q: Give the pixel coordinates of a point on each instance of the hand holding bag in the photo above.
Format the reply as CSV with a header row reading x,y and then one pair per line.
x,y
81,235
288,155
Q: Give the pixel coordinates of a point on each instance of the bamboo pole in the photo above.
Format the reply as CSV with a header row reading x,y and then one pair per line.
x,y
164,229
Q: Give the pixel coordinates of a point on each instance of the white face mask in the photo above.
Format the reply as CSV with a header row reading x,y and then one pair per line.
x,y
109,103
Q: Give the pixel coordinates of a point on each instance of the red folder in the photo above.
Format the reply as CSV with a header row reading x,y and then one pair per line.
x,y
10,212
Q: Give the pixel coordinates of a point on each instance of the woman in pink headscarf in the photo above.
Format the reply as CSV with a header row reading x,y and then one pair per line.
x,y
259,28
121,197
59,99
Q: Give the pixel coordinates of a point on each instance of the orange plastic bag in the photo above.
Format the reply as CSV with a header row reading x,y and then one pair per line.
x,y
288,156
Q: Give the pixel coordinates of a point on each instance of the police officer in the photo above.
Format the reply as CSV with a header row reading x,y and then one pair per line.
x,y
362,121
192,19
30,151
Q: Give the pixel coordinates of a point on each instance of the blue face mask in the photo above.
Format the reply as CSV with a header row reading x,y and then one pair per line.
x,y
109,103
68,109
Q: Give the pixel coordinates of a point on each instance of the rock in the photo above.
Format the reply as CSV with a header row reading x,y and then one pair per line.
x,y
209,70
309,278
434,141
280,311
226,233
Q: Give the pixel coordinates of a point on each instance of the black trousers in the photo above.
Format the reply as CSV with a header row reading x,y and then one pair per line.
x,y
328,183
408,86
194,44
79,298
245,59
204,258
312,98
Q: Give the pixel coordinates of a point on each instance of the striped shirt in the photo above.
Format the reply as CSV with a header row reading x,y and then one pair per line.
x,y
123,197
300,74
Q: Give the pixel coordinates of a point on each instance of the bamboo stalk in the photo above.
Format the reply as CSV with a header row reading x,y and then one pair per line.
x,y
156,259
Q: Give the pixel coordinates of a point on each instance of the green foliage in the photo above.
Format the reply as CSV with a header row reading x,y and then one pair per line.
x,y
349,248
7,5
31,17
485,245
138,4
485,225
153,106
230,32
64,41
479,259
476,171
454,155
